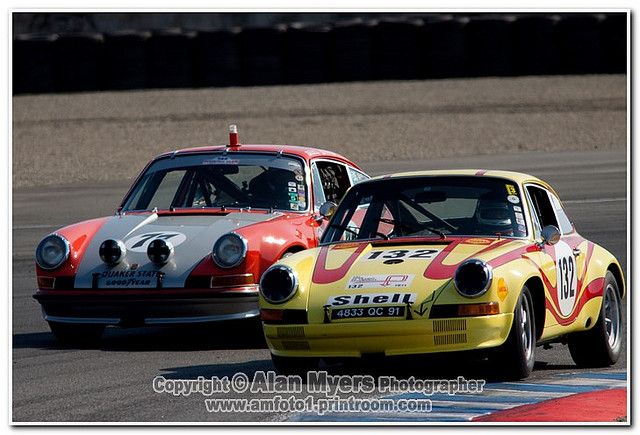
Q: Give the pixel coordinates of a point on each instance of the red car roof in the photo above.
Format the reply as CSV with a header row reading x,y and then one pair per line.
x,y
306,153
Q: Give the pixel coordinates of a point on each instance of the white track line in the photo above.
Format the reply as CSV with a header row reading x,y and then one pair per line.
x,y
593,201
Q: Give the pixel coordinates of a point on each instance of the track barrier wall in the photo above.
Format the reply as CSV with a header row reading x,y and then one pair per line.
x,y
390,48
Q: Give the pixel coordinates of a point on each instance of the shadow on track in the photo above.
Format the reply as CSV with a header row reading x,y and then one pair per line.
x,y
423,367
219,336
219,370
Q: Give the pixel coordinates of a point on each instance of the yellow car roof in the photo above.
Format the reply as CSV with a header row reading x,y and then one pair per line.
x,y
517,177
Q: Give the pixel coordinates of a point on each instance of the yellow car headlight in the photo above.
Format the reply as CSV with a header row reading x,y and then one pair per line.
x,y
278,284
473,278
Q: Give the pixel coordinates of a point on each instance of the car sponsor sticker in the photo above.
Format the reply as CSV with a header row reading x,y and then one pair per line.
x,y
371,299
400,254
477,241
128,278
292,189
344,246
513,199
291,184
511,190
379,281
566,277
299,177
140,242
517,208
221,161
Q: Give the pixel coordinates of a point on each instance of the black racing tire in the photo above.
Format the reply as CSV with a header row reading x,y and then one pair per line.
x,y
601,345
516,356
78,334
285,365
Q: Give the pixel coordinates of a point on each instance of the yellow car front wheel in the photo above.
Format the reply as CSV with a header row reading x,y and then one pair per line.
x,y
517,355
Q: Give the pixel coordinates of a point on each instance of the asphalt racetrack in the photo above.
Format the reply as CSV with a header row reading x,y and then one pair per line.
x,y
113,380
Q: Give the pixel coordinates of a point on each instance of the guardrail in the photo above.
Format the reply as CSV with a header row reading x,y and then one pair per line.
x,y
394,48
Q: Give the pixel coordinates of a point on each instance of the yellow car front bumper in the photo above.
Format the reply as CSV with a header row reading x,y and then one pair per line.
x,y
393,337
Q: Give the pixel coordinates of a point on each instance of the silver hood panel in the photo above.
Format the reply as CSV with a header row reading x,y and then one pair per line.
x,y
192,238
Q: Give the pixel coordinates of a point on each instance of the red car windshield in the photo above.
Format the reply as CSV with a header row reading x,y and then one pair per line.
x,y
265,181
428,207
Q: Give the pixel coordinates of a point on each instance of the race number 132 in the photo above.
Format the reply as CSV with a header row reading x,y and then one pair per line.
x,y
566,278
402,254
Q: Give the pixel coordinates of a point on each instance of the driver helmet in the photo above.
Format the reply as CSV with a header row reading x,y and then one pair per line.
x,y
494,215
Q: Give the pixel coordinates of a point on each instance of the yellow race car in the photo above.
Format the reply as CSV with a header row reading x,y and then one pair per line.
x,y
443,261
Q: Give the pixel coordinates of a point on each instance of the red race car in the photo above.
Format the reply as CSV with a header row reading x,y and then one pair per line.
x,y
191,238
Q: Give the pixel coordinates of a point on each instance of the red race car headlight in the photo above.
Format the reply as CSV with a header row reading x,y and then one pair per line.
x,y
52,251
229,250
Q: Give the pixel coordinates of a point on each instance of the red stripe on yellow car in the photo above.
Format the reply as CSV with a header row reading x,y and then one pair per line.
x,y
553,290
591,290
438,270
585,292
322,275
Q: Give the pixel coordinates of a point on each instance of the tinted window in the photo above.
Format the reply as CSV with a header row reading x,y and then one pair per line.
x,y
318,193
357,176
565,224
335,180
216,180
428,207
542,206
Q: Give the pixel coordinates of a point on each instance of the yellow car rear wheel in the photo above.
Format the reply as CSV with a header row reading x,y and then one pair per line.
x,y
601,345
